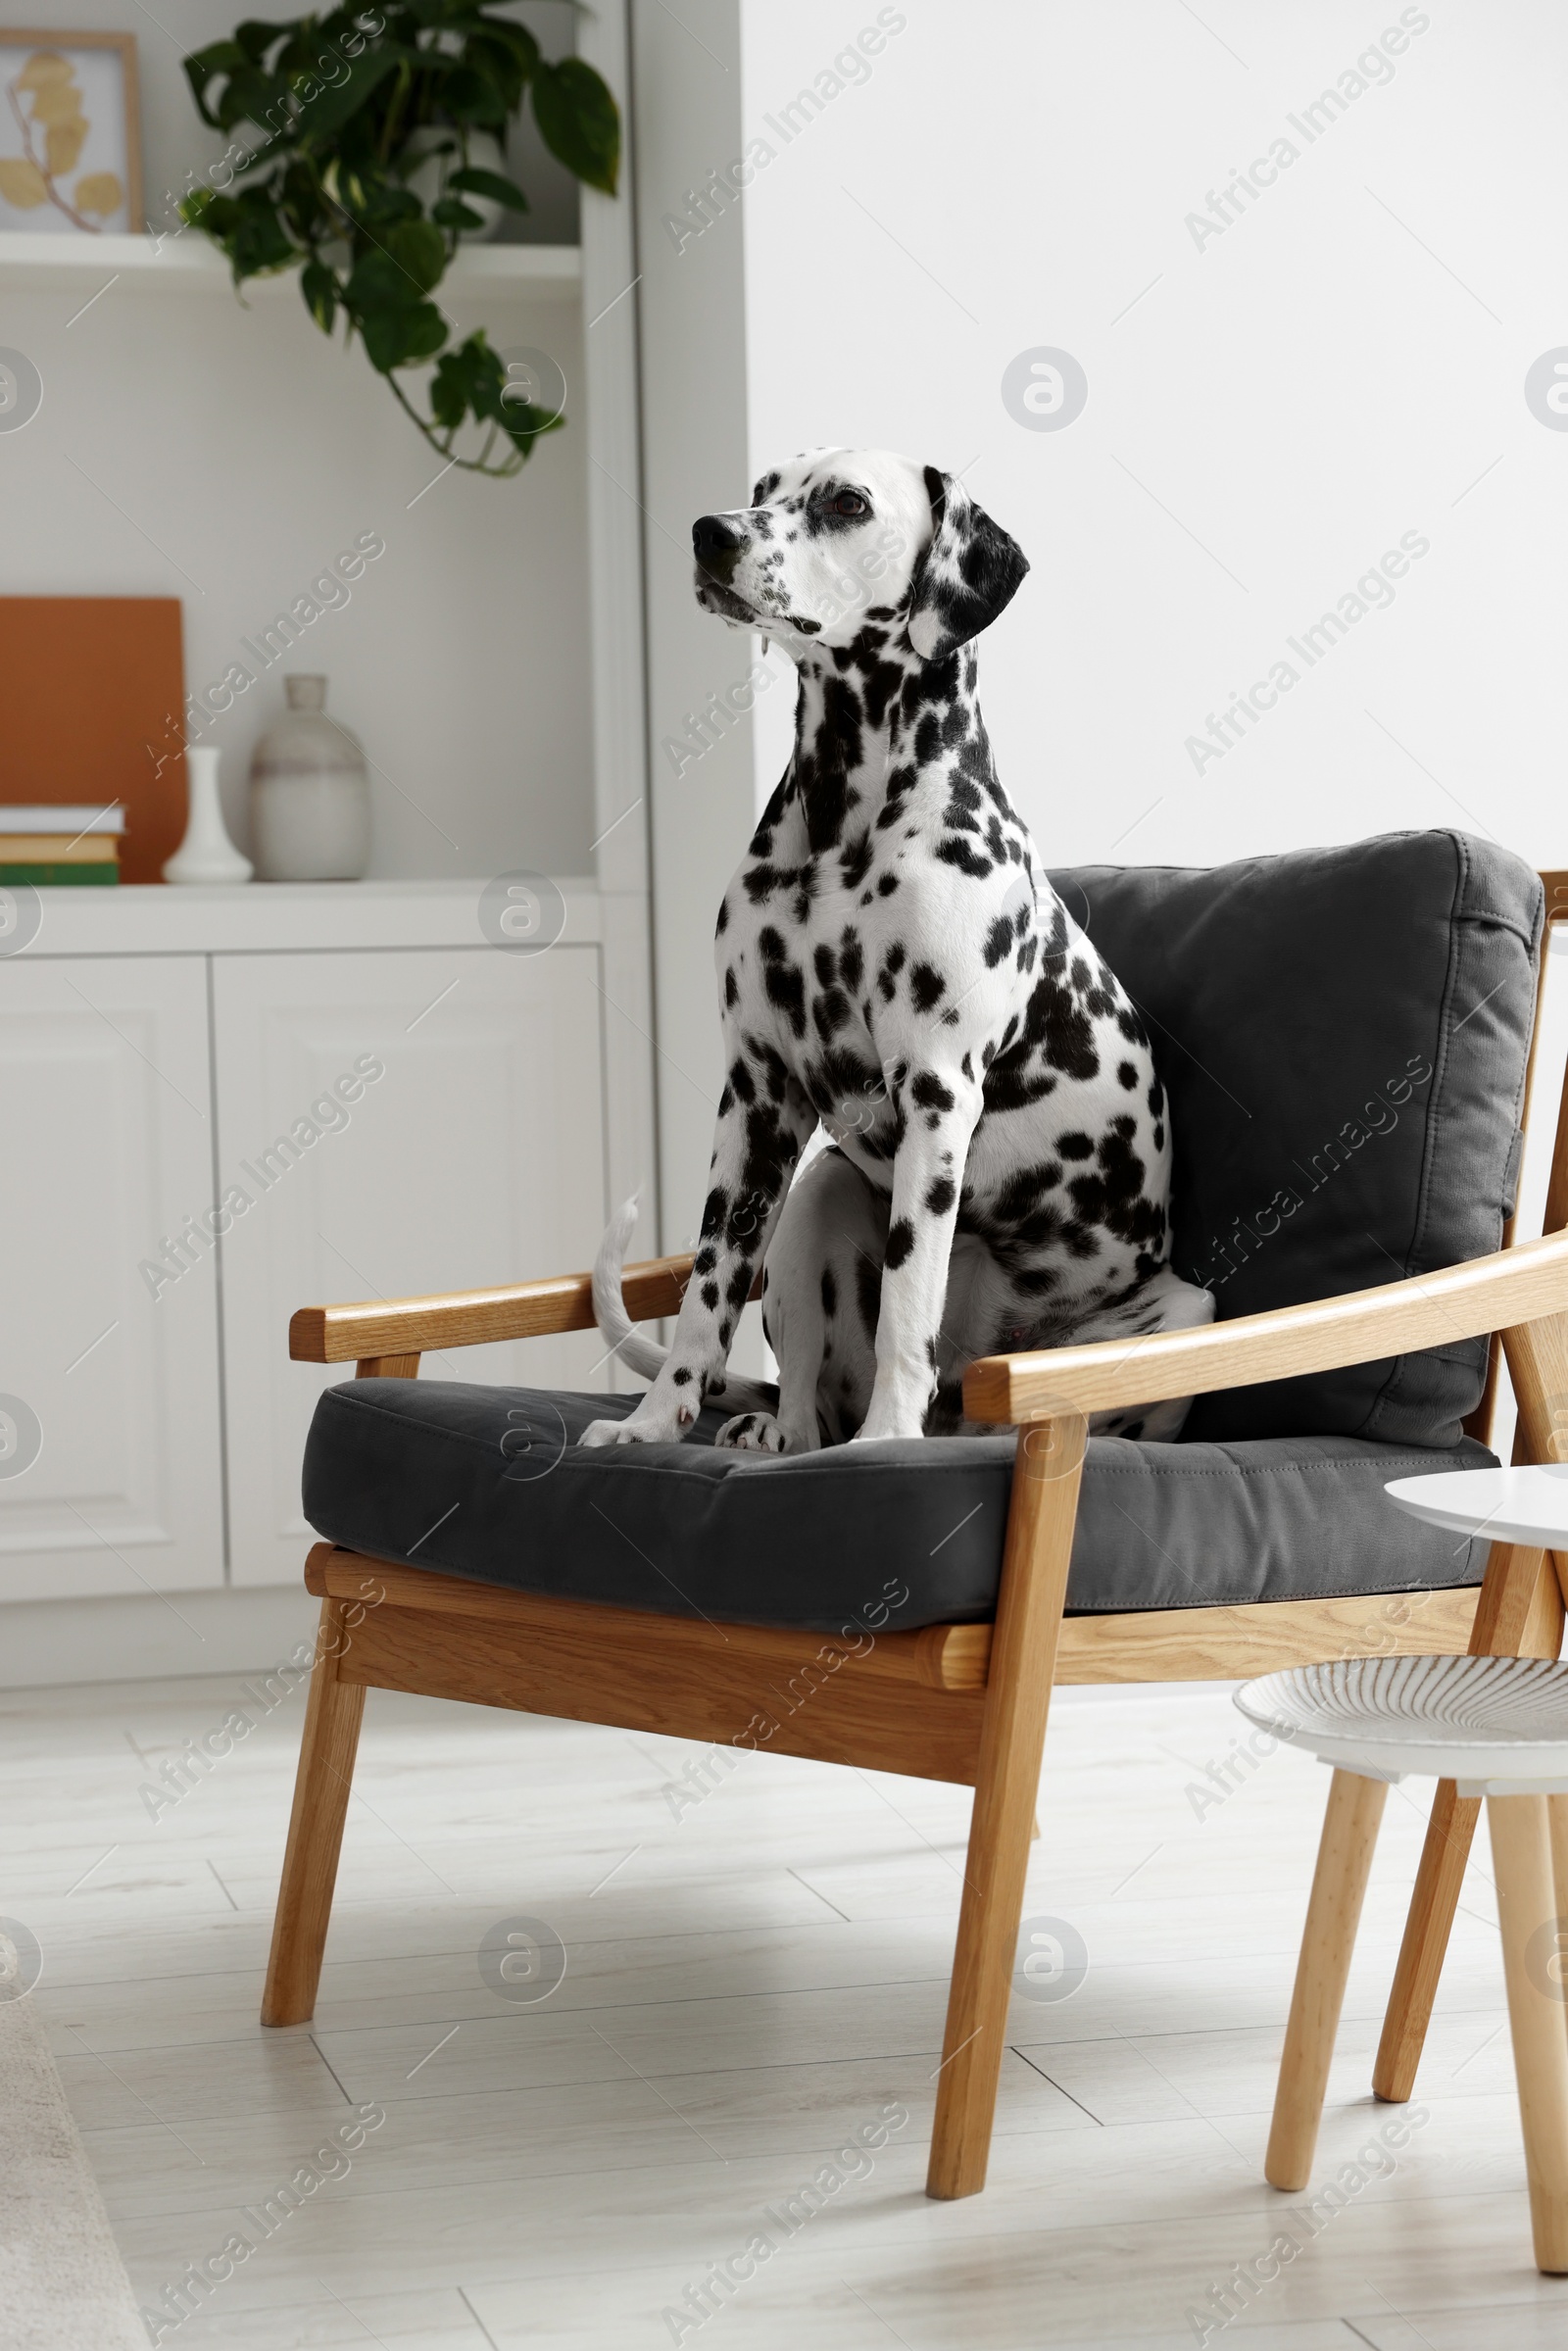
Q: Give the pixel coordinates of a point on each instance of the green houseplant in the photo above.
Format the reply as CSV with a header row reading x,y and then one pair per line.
x,y
337,113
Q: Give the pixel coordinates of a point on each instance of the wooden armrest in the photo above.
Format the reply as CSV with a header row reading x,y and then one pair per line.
x,y
416,1326
1514,1285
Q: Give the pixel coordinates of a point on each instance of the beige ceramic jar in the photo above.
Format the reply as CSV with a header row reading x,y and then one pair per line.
x,y
310,795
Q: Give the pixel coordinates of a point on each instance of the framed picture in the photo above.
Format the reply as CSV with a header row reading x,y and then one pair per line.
x,y
69,132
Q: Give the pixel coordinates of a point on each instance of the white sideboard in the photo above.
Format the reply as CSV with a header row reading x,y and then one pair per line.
x,y
377,1102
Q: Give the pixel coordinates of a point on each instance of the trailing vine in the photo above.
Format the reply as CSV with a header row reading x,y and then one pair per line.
x,y
338,113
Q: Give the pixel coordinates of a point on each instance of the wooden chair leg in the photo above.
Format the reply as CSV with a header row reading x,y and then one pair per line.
x,y
1519,1615
332,1713
1333,1914
1047,1469
1520,1851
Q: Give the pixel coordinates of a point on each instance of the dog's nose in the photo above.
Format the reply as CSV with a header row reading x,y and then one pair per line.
x,y
714,536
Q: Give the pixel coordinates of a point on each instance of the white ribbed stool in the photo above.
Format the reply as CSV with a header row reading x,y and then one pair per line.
x,y
1499,1727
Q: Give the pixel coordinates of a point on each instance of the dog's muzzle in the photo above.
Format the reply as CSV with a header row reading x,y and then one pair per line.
x,y
717,542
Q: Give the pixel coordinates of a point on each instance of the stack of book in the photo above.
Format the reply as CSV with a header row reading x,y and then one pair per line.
x,y
64,844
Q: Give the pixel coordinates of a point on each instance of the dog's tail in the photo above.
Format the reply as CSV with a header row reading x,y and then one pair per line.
x,y
645,1356
642,1356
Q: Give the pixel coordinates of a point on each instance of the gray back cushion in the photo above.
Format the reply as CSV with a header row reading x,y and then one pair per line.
x,y
1343,1034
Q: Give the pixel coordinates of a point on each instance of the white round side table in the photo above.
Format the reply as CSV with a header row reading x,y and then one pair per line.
x,y
1497,1726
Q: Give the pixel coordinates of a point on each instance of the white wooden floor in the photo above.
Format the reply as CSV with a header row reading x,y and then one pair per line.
x,y
746,1985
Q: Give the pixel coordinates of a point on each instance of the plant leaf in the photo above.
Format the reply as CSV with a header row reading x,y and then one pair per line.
x,y
256,242
330,104
450,212
478,182
380,206
528,425
418,248
250,95
401,337
100,192
203,65
57,102
470,93
515,38
453,383
320,288
21,183
255,39
578,120
45,67
377,283
64,144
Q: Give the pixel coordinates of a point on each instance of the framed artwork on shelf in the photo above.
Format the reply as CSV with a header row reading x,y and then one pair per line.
x,y
69,132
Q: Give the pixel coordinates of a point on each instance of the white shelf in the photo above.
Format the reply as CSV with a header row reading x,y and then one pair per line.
x,y
188,264
152,918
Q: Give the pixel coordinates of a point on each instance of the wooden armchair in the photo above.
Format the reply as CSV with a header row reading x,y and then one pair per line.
x,y
965,1701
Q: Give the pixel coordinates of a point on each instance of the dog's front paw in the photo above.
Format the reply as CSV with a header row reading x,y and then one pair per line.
x,y
641,1427
752,1433
885,1431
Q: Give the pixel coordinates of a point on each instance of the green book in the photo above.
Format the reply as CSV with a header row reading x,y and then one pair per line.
x,y
74,877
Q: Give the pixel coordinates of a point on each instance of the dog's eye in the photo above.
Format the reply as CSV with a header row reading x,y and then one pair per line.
x,y
848,501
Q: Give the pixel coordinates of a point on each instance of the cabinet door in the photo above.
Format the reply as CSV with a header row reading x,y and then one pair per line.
x,y
106,1149
468,1155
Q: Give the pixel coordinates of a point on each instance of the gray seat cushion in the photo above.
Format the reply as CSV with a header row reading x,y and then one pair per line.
x,y
488,1483
1343,1034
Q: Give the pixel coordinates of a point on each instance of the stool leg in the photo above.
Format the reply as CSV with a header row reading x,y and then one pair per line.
x,y
1439,1881
1521,1852
1339,1886
1557,1824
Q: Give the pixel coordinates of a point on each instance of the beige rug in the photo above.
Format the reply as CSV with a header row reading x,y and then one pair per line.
x,y
63,2286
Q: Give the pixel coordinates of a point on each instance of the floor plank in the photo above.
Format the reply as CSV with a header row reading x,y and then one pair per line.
x,y
749,1978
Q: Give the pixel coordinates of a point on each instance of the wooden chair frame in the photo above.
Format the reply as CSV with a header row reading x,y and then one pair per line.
x,y
962,1702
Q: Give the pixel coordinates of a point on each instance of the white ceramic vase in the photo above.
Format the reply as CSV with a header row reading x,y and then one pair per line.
x,y
207,854
310,793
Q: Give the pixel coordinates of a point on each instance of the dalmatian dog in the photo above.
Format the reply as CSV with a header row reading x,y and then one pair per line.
x,y
894,967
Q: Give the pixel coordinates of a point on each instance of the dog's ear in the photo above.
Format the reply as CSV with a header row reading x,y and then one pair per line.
x,y
967,575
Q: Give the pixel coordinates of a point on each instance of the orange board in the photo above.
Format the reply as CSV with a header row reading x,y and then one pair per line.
x,y
92,695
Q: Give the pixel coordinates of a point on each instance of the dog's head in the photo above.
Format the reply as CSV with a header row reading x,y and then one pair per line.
x,y
839,537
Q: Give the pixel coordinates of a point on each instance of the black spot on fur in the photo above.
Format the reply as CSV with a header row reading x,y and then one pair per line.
x,y
941,1196
954,849
868,1294
926,987
783,980
901,1240
998,940
855,862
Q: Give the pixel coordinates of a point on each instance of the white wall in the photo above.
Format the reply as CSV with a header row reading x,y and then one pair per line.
x,y
1340,366
694,452
188,446
1270,408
